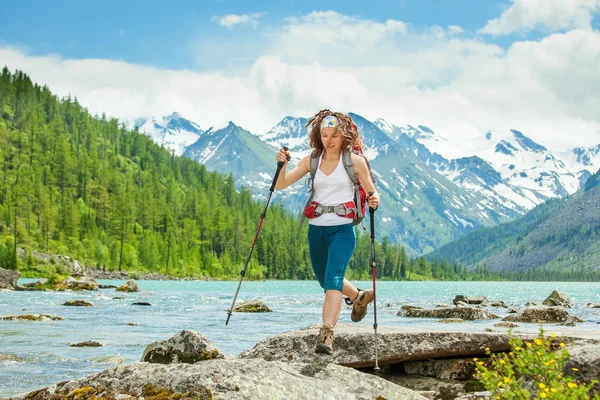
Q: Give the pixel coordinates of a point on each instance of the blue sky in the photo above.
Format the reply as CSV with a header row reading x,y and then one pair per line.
x,y
155,33
460,66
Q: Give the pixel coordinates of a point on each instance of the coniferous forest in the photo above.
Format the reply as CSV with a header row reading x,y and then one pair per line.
x,y
83,185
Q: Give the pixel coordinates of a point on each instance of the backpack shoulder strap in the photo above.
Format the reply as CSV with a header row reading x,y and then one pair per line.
x,y
314,165
348,166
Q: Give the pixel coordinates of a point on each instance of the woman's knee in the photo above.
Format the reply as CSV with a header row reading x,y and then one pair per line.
x,y
334,282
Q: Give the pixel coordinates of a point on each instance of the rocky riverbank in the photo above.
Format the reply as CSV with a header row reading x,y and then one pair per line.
x,y
415,365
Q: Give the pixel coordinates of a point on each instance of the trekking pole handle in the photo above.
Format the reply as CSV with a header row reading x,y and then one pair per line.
x,y
372,215
279,166
287,157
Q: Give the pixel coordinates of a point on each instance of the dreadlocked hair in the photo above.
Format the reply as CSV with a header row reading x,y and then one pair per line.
x,y
345,126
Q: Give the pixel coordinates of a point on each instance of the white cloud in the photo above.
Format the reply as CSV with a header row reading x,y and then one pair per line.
x,y
231,20
552,15
547,89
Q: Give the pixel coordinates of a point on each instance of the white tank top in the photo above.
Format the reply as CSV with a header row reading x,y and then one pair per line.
x,y
331,190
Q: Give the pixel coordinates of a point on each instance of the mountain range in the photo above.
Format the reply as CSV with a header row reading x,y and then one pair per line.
x,y
560,236
434,189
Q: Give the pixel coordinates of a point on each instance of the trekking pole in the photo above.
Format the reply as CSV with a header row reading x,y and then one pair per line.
x,y
262,217
374,274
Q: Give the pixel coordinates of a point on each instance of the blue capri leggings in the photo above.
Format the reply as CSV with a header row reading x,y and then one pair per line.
x,y
331,248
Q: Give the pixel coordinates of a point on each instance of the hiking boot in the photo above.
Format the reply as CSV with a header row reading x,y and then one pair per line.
x,y
325,343
359,305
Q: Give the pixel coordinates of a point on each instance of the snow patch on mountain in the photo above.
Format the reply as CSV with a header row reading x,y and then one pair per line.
x,y
174,132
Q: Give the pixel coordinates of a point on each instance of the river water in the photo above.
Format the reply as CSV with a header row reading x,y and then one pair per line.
x,y
44,357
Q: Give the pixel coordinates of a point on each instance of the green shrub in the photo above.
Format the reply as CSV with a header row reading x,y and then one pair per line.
x,y
531,370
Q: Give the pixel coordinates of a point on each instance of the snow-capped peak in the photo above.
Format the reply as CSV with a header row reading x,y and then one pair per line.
x,y
290,132
384,125
173,131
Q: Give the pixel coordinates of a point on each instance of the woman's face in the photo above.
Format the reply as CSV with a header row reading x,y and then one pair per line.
x,y
332,139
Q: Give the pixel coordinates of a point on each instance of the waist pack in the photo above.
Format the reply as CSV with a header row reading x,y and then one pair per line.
x,y
346,210
360,195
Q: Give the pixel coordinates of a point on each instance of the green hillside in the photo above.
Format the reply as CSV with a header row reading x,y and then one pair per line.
x,y
558,240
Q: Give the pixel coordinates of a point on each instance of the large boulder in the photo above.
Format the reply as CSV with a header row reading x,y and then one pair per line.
x,y
584,364
129,286
354,345
8,278
233,379
466,313
543,314
557,299
185,347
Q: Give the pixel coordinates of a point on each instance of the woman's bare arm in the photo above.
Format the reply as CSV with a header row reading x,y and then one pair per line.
x,y
288,178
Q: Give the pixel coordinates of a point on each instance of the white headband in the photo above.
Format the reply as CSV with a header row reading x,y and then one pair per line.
x,y
329,122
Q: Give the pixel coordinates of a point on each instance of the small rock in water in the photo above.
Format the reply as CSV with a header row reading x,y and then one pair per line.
x,y
252,306
33,317
129,286
557,299
9,357
87,343
141,303
78,303
132,324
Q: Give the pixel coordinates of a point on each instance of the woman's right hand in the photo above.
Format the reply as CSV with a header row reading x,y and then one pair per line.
x,y
282,156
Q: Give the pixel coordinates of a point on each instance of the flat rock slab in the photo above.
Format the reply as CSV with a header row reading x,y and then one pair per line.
x,y
354,345
233,379
33,317
466,313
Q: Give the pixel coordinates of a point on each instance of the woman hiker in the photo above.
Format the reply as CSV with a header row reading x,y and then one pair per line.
x,y
331,237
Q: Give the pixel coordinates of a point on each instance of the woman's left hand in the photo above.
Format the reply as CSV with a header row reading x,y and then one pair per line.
x,y
373,200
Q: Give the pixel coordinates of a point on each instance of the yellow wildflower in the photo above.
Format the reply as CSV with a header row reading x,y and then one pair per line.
x,y
537,341
562,345
575,369
517,348
572,385
553,335
499,384
543,395
475,359
506,379
529,344
542,385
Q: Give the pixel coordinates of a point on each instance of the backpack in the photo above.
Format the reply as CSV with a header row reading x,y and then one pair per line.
x,y
360,195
